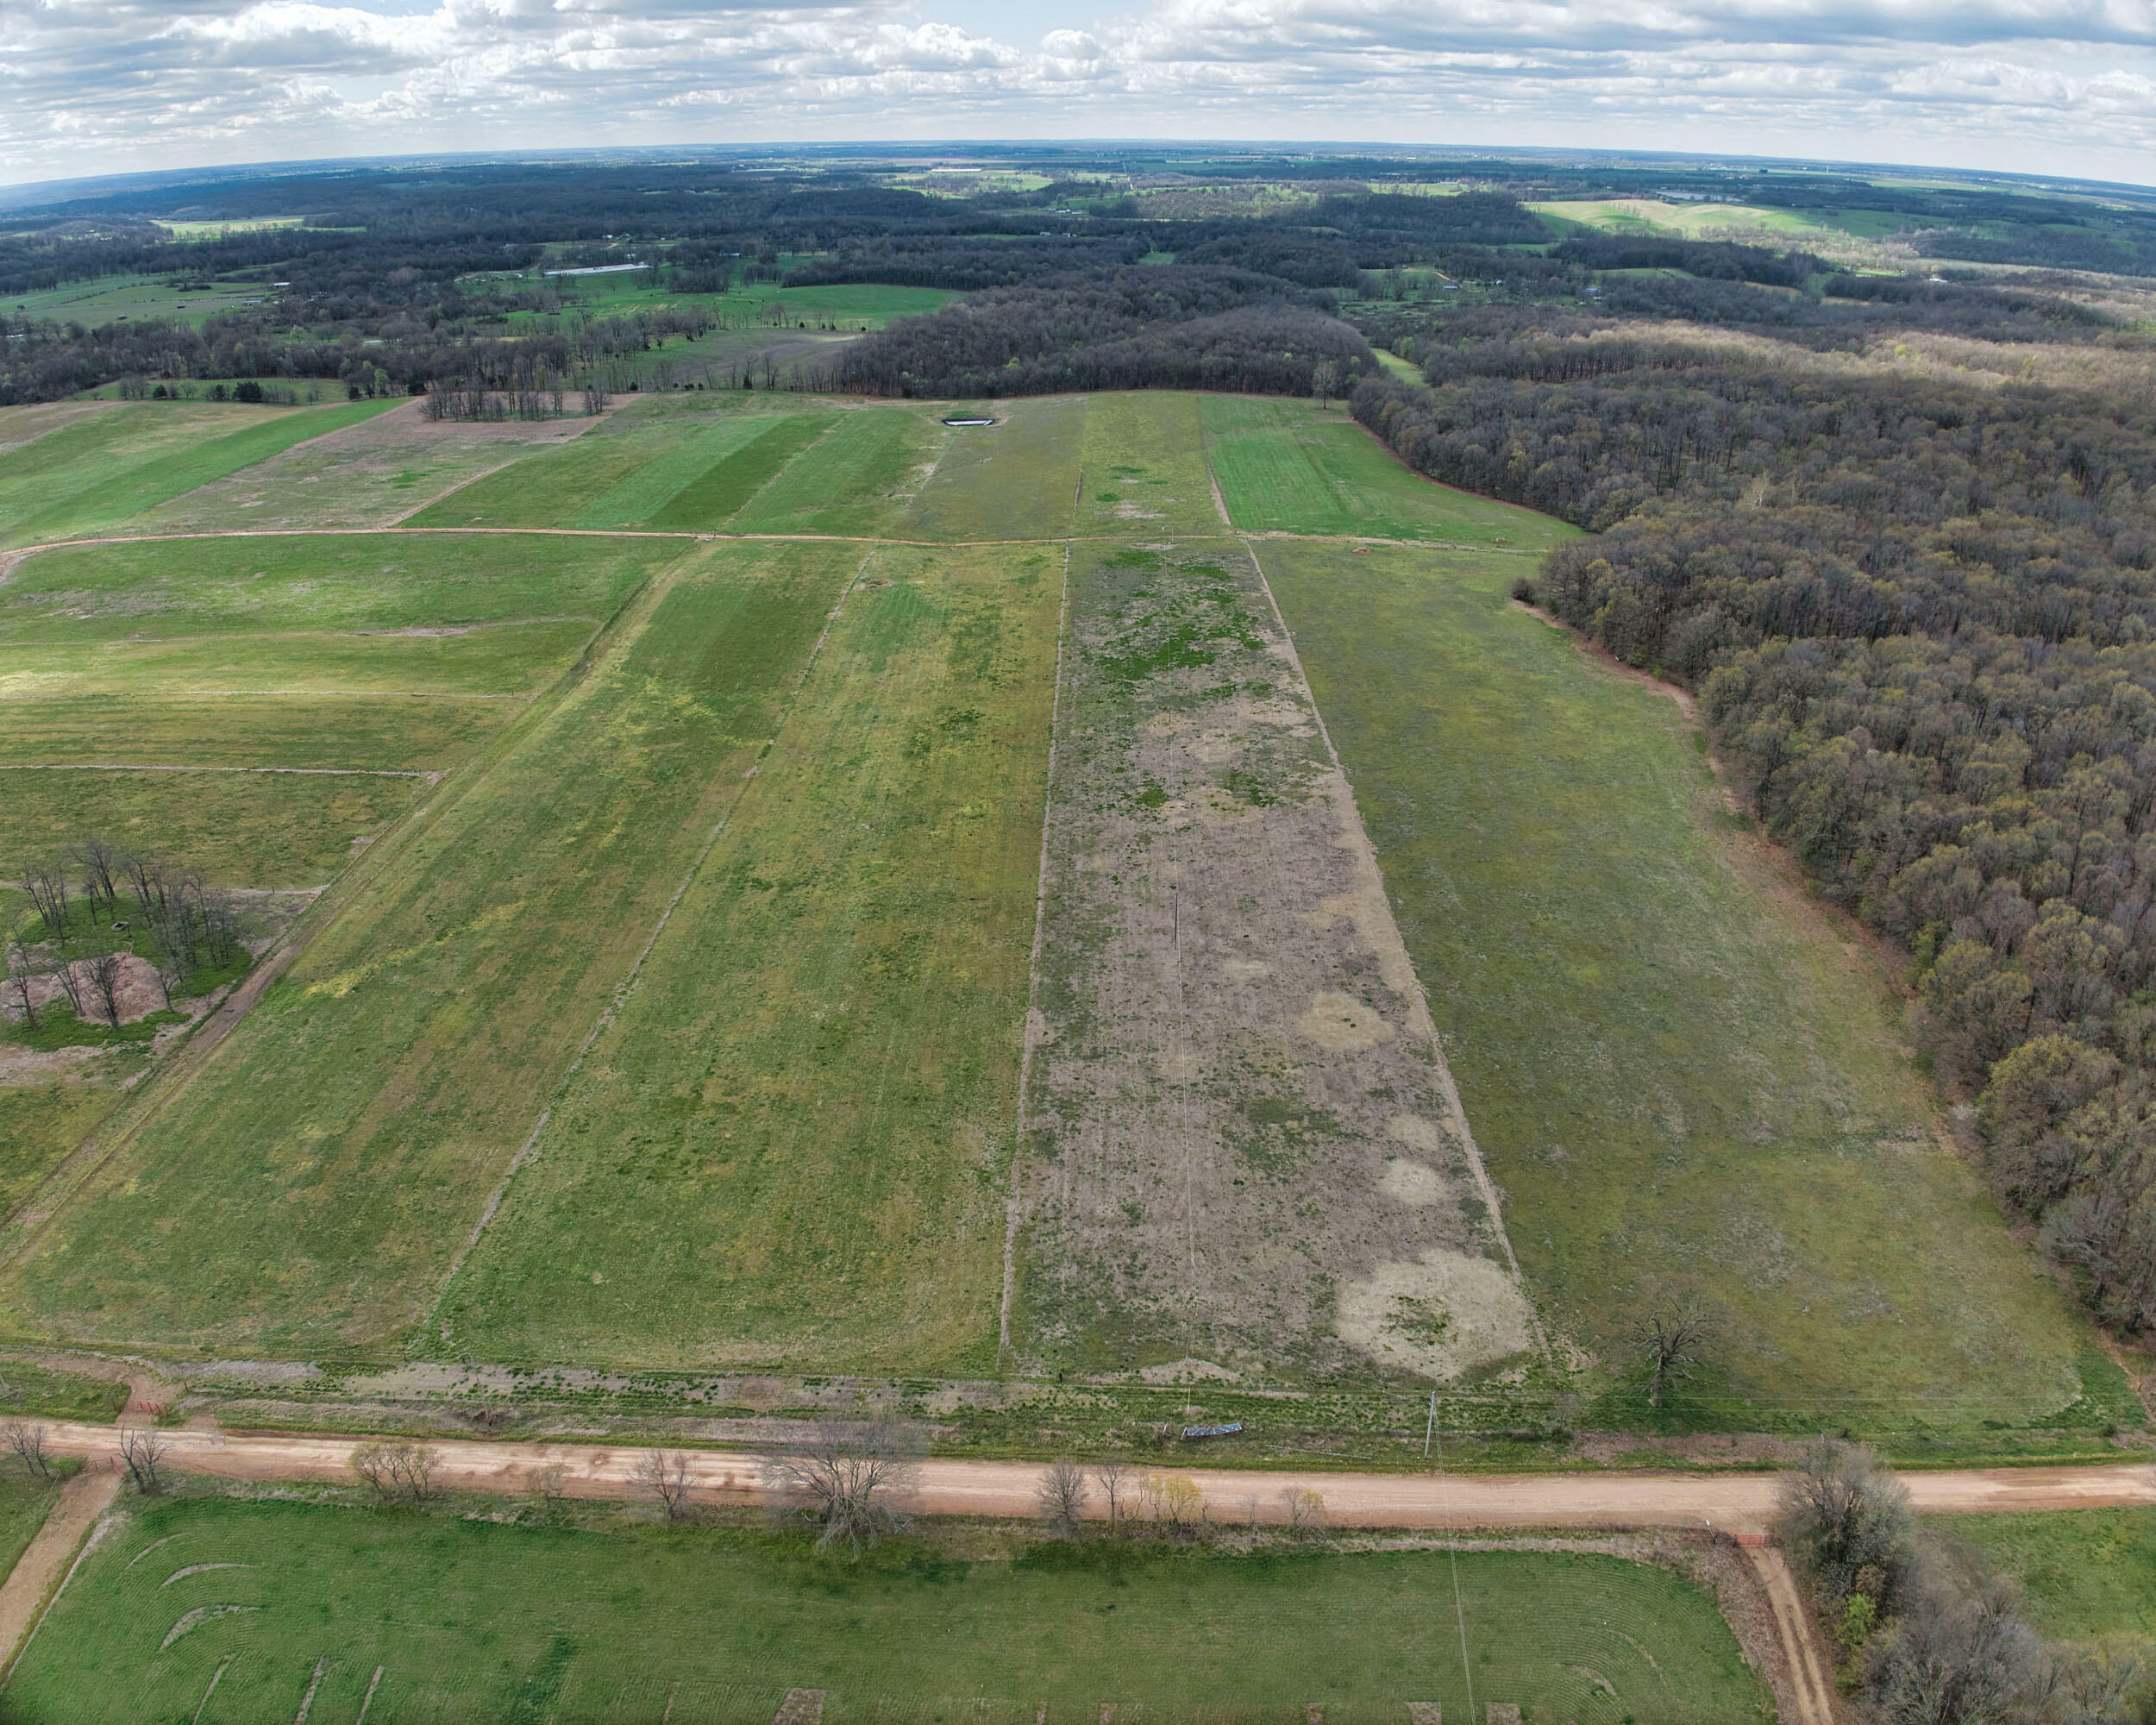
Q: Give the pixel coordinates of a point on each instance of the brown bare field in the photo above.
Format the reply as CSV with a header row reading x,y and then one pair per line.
x,y
1243,1153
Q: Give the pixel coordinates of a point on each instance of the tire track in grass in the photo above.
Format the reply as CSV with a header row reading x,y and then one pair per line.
x,y
613,1009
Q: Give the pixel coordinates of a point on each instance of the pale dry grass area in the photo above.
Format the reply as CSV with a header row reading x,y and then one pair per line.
x,y
1243,1151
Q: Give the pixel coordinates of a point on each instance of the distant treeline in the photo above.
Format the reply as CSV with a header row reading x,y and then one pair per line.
x,y
1171,327
1921,619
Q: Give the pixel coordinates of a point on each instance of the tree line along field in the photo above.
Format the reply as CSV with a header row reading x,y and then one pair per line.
x,y
681,1022
450,1618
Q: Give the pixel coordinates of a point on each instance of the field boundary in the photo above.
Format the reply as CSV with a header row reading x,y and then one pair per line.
x,y
1013,1207
433,777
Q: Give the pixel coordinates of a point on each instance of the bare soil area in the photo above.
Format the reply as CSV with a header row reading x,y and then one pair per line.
x,y
1242,1148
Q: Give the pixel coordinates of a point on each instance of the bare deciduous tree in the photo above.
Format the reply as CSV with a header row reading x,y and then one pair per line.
x,y
1114,1477
398,1469
1325,382
23,969
1674,1341
46,881
73,979
550,1484
849,1479
99,859
107,970
142,1449
1958,1661
29,1442
664,1475
1303,1510
1061,1495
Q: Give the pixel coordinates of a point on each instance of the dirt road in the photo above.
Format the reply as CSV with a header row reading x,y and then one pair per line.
x,y
1737,1503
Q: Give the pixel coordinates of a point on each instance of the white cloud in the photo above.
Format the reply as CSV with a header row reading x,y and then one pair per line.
x,y
87,86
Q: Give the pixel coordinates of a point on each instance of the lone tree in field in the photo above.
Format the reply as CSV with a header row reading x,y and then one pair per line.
x,y
1841,1514
849,1479
663,1475
1675,1340
1325,382
1061,1495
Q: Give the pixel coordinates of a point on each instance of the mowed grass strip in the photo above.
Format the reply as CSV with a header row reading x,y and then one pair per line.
x,y
856,481
483,659
713,497
334,581
310,1184
354,732
1143,456
267,829
1015,480
1685,1083
475,1619
61,454
105,489
1287,465
793,1141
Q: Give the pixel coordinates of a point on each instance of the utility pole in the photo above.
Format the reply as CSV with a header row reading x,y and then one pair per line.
x,y
1430,1430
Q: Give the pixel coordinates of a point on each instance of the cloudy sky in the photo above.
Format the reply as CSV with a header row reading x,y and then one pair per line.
x,y
91,86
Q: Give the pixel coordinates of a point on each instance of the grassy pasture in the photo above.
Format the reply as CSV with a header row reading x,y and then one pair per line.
x,y
240,829
326,581
41,1124
489,659
350,732
367,476
108,298
1017,479
711,500
471,1619
808,1163
2084,1573
1683,1079
1286,466
856,481
556,487
360,1115
1145,466
93,477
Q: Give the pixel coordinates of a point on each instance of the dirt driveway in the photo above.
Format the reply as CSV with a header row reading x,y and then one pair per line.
x,y
1737,1503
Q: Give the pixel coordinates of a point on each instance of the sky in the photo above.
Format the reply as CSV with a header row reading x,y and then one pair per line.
x,y
2046,86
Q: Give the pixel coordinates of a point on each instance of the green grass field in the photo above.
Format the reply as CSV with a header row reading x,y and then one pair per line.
x,y
2084,1574
339,582
1145,465
1018,479
856,479
435,1015
108,298
808,1164
1684,1081
240,829
306,729
93,475
470,1620
1288,467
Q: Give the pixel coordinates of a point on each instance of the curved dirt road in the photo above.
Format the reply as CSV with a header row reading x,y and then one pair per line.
x,y
1734,1503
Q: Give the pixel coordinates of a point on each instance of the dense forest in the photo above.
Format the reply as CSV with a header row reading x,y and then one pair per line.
x,y
1178,327
1920,616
